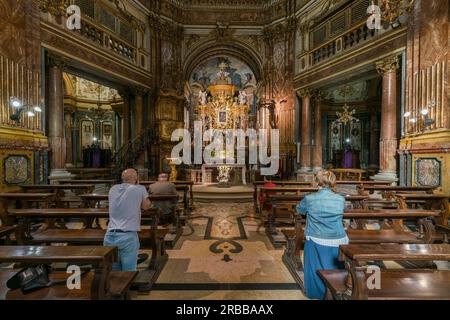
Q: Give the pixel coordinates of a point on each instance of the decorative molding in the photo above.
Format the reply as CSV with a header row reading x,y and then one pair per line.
x,y
54,7
305,93
390,64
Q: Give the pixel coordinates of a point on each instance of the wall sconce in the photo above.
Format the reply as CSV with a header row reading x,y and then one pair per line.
x,y
427,121
19,107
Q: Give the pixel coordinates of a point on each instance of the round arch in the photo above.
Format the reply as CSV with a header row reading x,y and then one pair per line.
x,y
212,49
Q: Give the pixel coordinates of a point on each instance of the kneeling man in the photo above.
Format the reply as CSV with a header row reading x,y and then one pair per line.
x,y
125,203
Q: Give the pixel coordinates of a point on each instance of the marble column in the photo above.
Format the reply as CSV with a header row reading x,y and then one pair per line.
x,y
388,133
318,149
55,112
305,131
125,134
374,140
69,126
139,125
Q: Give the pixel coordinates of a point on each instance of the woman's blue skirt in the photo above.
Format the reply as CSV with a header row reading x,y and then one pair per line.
x,y
317,257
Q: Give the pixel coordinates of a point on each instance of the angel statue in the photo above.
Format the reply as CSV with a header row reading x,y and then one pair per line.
x,y
203,97
243,97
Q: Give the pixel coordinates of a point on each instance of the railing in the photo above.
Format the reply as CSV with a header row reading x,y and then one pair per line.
x,y
107,40
126,156
342,43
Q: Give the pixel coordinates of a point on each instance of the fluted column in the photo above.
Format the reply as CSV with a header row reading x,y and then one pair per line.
x,y
388,133
55,114
305,130
318,149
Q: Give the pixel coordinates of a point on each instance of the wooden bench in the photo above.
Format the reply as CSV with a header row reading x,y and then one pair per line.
x,y
388,192
283,209
100,283
342,174
427,201
257,185
189,184
108,182
60,191
391,231
90,173
23,200
395,284
5,232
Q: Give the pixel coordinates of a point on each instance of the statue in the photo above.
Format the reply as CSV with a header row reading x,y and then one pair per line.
x,y
243,97
203,96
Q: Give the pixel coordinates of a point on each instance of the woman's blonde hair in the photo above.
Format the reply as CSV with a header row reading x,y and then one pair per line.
x,y
326,179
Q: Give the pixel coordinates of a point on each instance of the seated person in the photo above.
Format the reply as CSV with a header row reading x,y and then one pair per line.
x,y
324,232
163,188
264,196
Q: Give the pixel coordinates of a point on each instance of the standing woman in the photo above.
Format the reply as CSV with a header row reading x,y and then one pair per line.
x,y
324,232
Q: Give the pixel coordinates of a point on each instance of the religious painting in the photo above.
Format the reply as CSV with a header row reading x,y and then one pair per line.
x,y
222,117
355,135
107,136
87,133
335,141
17,169
428,172
239,74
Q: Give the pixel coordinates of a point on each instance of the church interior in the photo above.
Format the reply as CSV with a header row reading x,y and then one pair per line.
x,y
356,89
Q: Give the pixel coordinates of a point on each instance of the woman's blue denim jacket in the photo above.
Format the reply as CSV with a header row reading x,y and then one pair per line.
x,y
324,212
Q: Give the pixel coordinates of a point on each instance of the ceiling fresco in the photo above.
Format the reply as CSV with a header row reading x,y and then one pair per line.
x,y
207,73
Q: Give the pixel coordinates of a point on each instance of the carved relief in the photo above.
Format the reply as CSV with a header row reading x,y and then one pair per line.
x,y
428,172
16,169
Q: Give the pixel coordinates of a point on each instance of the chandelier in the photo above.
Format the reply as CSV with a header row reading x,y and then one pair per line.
x,y
345,116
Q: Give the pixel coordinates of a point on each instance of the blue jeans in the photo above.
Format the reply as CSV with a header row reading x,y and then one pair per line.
x,y
128,245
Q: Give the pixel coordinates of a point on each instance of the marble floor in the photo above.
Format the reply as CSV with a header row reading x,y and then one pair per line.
x,y
226,255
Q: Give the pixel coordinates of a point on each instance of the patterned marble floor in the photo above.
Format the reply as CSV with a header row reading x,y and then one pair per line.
x,y
225,256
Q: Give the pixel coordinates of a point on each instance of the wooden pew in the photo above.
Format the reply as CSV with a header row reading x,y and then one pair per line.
x,y
101,283
108,182
90,173
5,233
395,284
283,207
152,238
93,201
342,174
388,192
427,201
258,184
23,200
59,190
391,232
190,185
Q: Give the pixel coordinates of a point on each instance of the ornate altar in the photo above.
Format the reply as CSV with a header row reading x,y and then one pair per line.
x,y
222,106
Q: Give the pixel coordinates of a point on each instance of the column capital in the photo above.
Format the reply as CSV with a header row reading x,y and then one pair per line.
x,y
57,62
319,95
305,93
390,64
124,93
139,91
